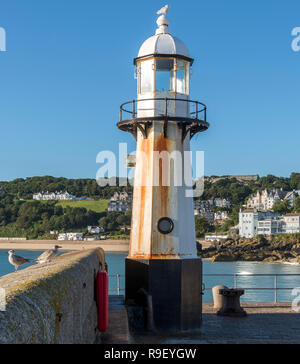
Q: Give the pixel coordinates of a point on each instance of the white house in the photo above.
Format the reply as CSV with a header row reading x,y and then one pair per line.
x,y
95,229
215,237
50,196
248,222
70,236
221,215
292,223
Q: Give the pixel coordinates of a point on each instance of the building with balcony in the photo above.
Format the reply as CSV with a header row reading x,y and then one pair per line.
x,y
253,222
292,223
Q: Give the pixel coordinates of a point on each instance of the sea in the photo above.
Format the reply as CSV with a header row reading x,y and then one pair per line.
x,y
257,288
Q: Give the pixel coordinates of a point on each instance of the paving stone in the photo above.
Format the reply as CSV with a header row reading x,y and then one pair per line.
x,y
266,323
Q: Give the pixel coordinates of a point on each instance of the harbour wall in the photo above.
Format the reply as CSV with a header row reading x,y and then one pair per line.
x,y
52,303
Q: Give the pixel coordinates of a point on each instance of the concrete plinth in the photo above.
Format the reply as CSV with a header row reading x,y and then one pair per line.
x,y
176,289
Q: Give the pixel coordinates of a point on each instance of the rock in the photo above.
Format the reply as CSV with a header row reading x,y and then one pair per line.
x,y
260,248
225,257
270,259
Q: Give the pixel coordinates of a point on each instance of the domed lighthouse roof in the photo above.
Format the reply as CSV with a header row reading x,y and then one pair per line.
x,y
163,43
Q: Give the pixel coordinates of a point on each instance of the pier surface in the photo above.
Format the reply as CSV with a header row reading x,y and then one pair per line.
x,y
266,323
118,329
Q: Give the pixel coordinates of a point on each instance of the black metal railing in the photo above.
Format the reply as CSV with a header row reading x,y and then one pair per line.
x,y
117,288
275,277
199,112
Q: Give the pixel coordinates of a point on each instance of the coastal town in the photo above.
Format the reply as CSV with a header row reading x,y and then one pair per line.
x,y
218,213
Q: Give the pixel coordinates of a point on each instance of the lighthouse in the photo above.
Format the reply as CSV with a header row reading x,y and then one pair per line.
x,y
162,261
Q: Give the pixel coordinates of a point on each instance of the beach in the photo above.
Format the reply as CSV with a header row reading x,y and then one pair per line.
x,y
109,246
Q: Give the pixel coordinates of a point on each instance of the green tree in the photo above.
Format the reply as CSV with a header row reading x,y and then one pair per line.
x,y
295,181
202,227
297,204
283,207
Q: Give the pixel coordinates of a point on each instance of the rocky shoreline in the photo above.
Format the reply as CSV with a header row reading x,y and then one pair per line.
x,y
259,249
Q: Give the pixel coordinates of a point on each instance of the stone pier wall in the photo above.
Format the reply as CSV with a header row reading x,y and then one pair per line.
x,y
52,303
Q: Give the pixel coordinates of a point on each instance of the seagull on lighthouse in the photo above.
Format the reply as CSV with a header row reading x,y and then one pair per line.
x,y
164,10
16,260
48,255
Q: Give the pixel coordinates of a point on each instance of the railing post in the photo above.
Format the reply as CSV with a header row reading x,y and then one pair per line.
x,y
235,281
121,115
118,284
196,110
275,287
133,109
166,108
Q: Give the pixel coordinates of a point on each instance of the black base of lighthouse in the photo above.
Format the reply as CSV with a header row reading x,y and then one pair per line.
x,y
175,286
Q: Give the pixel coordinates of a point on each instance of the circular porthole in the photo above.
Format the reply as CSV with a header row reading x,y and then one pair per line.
x,y
165,225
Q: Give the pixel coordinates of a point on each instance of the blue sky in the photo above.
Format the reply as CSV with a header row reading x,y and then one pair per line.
x,y
68,67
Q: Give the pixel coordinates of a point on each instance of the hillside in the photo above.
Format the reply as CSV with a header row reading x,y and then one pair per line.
x,y
96,206
20,216
24,188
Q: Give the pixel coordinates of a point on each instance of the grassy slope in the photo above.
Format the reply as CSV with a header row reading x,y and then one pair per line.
x,y
97,206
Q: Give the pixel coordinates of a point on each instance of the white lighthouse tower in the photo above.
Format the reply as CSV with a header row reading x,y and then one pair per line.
x,y
163,260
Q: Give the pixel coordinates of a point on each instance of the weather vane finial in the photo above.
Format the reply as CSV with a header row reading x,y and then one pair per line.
x,y
164,10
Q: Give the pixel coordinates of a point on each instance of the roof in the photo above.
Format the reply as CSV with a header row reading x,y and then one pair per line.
x,y
163,43
247,210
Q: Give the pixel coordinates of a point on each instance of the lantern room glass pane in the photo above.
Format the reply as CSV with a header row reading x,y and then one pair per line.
x,y
164,75
182,77
146,76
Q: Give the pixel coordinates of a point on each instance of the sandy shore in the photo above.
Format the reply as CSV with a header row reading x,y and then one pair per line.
x,y
109,246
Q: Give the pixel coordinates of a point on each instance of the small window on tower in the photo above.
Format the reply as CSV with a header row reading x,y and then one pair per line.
x,y
146,76
164,75
182,77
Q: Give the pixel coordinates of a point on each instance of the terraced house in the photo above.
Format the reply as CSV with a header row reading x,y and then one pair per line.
x,y
50,196
265,200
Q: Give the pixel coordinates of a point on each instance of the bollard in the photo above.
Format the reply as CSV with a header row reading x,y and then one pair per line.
x,y
217,297
231,303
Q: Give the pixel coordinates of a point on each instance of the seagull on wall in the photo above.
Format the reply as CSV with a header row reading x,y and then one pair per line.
x,y
48,255
17,261
164,10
